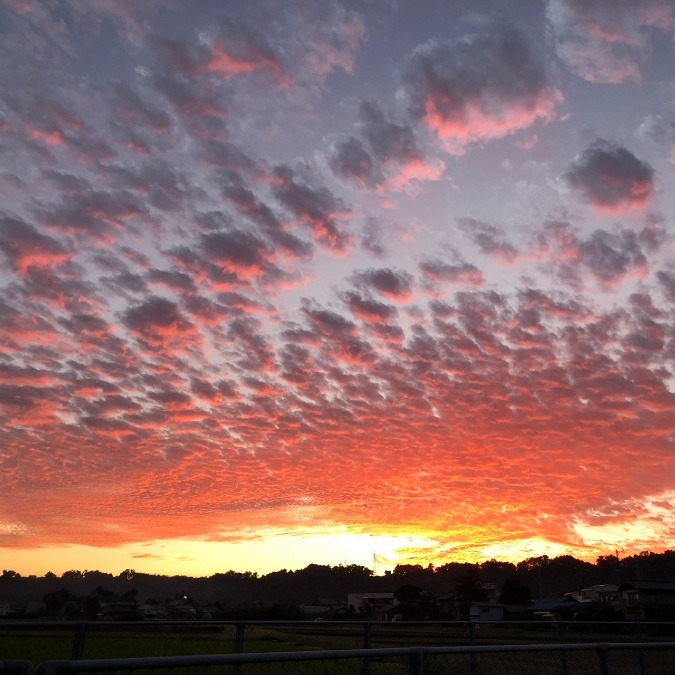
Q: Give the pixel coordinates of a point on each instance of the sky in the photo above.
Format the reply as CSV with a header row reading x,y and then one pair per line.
x,y
328,281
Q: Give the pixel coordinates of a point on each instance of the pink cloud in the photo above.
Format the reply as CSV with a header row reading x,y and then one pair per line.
x,y
226,65
416,171
485,87
478,122
53,138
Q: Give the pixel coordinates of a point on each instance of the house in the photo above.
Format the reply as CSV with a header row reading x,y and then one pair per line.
x,y
448,606
320,606
153,611
121,610
390,612
35,608
369,602
490,590
604,593
486,612
555,609
652,600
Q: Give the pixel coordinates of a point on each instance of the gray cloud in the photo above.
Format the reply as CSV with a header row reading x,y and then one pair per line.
x,y
667,281
387,150
489,239
350,159
604,40
318,207
25,247
394,284
610,177
152,313
437,273
480,88
611,256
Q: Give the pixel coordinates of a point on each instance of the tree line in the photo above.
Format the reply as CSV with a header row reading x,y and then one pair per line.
x,y
541,576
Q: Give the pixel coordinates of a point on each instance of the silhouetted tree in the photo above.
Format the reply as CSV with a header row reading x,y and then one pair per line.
x,y
515,592
131,594
92,607
469,590
408,597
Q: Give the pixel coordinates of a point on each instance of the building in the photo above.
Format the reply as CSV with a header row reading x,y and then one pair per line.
x,y
603,593
320,606
650,600
555,609
486,612
369,602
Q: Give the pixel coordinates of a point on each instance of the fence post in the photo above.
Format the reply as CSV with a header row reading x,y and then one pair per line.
x,y
416,661
366,635
78,642
239,638
563,653
239,644
365,667
604,663
473,659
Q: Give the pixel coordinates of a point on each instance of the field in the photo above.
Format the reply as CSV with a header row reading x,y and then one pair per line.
x,y
42,643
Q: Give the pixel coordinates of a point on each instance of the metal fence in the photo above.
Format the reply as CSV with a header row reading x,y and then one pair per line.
x,y
101,639
654,658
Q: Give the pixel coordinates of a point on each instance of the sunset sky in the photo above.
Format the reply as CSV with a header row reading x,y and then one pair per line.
x,y
300,282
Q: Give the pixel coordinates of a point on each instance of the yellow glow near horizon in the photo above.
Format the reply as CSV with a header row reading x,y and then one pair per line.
x,y
274,550
268,553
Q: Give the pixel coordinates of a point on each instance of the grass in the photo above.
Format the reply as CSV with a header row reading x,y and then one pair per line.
x,y
38,645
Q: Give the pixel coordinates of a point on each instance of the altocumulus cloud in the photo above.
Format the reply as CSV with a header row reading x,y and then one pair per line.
x,y
610,178
483,87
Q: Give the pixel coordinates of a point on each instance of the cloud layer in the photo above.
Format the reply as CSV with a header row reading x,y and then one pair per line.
x,y
249,282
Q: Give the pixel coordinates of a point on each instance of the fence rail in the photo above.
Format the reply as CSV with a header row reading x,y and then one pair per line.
x,y
339,648
414,660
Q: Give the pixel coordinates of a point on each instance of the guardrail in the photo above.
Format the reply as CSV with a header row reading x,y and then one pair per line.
x,y
600,658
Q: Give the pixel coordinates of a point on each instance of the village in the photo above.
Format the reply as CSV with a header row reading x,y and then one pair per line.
x,y
479,603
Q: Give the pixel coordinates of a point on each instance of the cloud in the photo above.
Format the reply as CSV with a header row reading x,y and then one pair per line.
x,y
182,308
659,128
131,109
611,257
203,108
393,284
332,35
667,281
481,88
350,159
610,178
368,309
317,207
25,247
371,238
236,252
439,273
99,214
489,240
388,154
227,49
158,324
604,41
237,49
